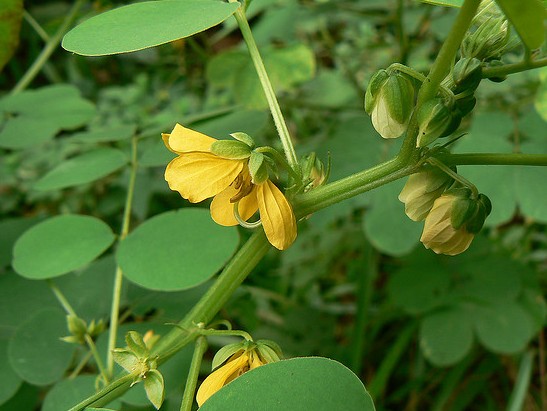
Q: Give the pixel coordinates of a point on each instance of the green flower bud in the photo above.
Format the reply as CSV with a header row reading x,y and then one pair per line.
x,y
488,41
421,190
465,105
435,120
466,75
390,101
313,172
483,209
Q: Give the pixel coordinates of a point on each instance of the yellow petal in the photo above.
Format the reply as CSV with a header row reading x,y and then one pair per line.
x,y
276,215
216,380
197,176
185,140
222,210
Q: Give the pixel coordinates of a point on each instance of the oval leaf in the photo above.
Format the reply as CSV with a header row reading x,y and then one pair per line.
x,y
11,15
36,351
147,24
9,380
59,245
527,16
82,169
318,384
176,250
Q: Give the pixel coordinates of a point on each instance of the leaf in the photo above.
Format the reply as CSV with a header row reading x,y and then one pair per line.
x,y
147,24
446,336
59,245
69,392
11,229
447,3
298,384
82,169
112,133
36,352
527,16
176,250
11,15
34,116
504,328
9,380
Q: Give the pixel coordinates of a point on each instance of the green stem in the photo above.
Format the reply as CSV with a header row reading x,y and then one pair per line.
x,y
104,396
76,371
277,115
507,69
522,383
494,159
49,48
61,298
97,357
233,333
118,277
36,26
193,374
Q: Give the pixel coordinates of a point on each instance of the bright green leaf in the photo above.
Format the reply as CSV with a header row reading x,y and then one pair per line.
x,y
113,133
59,245
298,384
176,250
527,16
11,15
36,351
446,336
447,3
147,24
34,116
82,169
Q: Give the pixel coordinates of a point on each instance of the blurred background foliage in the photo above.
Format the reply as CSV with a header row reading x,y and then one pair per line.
x,y
421,331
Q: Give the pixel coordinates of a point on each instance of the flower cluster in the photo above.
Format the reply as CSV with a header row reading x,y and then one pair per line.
x,y
452,214
236,175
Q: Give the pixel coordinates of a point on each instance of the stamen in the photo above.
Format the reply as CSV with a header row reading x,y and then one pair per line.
x,y
242,222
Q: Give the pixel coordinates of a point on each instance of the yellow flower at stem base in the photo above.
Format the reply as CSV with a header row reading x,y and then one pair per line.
x,y
199,173
236,365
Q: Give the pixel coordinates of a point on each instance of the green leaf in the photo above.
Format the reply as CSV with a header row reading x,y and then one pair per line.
x,y
176,250
298,384
504,328
154,387
112,133
67,393
27,398
82,169
34,116
447,3
36,352
59,245
11,15
527,16
9,380
11,229
446,336
147,24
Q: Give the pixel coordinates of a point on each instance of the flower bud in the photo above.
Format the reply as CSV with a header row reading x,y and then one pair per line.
x,y
313,172
421,190
435,120
488,41
466,75
389,100
453,221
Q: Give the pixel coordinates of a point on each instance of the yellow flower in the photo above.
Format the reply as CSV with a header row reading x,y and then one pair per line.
x,y
439,235
236,365
198,173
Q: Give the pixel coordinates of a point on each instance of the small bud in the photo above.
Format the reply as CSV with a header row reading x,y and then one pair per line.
x,y
313,172
421,190
435,120
488,41
389,100
466,75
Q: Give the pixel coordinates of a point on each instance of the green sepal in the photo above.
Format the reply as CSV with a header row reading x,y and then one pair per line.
x,y
226,352
154,387
373,88
466,75
244,138
485,203
258,167
126,359
465,105
463,209
135,344
267,354
399,94
232,149
496,63
271,344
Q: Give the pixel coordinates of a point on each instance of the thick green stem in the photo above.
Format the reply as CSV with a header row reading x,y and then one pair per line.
x,y
501,71
49,48
118,277
522,383
193,374
277,115
494,159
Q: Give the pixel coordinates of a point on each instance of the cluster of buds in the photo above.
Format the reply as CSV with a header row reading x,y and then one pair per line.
x,y
453,214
